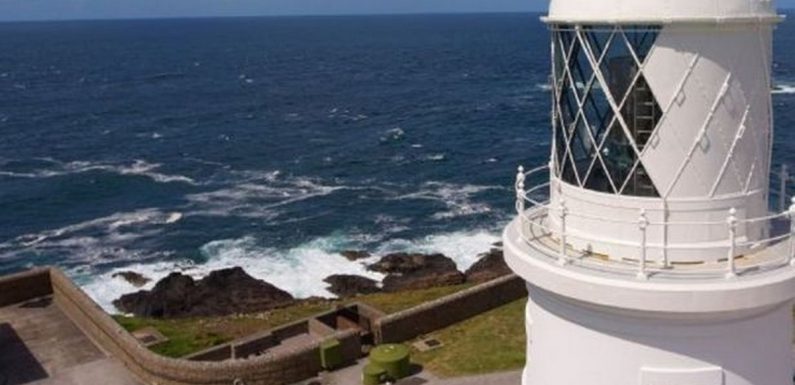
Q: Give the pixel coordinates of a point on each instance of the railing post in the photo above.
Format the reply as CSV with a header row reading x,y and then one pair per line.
x,y
520,199
792,233
782,191
562,258
643,225
520,177
731,221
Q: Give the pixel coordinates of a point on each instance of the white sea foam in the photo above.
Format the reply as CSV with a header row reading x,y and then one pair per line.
x,y
299,271
462,247
783,89
258,195
394,134
457,198
113,236
544,87
345,114
436,157
138,168
104,288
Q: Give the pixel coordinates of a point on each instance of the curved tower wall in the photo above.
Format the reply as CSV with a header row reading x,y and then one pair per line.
x,y
665,107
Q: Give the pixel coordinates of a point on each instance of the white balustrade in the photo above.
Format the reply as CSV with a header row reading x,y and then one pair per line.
x,y
733,241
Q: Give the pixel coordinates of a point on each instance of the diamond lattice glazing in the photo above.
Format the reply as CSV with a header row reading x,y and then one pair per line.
x,y
605,112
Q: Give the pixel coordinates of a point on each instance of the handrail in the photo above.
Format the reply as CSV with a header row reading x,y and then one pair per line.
x,y
731,244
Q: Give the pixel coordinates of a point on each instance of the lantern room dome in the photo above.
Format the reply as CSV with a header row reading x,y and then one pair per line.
x,y
661,11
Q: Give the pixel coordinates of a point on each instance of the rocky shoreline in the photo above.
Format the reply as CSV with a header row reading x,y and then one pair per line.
x,y
233,291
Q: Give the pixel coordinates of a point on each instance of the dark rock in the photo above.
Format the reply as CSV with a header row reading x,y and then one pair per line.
x,y
417,271
355,255
351,285
223,292
489,266
132,277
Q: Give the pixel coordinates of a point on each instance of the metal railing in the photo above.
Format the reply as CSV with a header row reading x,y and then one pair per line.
x,y
530,201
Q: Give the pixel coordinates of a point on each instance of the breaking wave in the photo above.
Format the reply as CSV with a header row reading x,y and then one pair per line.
x,y
299,270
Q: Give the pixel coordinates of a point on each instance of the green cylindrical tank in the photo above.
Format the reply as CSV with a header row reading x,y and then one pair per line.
x,y
372,374
394,358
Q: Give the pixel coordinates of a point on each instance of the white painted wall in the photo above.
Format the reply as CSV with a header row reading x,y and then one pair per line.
x,y
617,10
578,343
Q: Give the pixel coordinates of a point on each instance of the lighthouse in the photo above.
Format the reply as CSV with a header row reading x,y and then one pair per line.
x,y
654,249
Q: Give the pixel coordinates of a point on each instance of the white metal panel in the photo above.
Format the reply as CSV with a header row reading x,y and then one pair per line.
x,y
691,148
661,10
685,119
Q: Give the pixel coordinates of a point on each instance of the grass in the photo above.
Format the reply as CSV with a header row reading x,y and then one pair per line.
x,y
394,302
190,335
490,342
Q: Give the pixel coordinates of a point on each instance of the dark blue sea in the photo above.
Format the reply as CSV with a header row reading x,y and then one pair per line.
x,y
273,143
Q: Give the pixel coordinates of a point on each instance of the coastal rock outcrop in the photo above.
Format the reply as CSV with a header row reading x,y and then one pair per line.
x,y
490,265
355,255
223,292
135,279
351,285
413,271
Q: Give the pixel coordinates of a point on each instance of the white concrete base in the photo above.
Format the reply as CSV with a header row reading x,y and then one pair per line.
x,y
606,328
578,343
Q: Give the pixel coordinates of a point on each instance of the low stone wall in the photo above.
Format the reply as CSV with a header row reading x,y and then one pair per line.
x,y
318,328
438,314
215,353
282,368
255,344
24,286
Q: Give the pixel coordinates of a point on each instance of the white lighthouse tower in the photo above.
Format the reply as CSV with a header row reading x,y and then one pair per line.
x,y
651,253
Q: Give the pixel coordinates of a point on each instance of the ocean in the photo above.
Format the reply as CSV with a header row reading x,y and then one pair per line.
x,y
273,143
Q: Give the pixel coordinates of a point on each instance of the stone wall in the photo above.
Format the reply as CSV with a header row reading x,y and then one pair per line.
x,y
23,286
282,368
215,353
438,314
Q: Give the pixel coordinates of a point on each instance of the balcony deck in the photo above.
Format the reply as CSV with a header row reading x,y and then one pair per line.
x,y
763,279
534,235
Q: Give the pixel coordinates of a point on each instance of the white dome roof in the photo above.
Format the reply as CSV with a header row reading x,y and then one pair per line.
x,y
661,11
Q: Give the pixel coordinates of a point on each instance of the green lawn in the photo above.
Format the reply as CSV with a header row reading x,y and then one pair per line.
x,y
487,343
190,335
394,302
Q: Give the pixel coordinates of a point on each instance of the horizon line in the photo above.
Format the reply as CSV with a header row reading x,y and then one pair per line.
x,y
285,15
